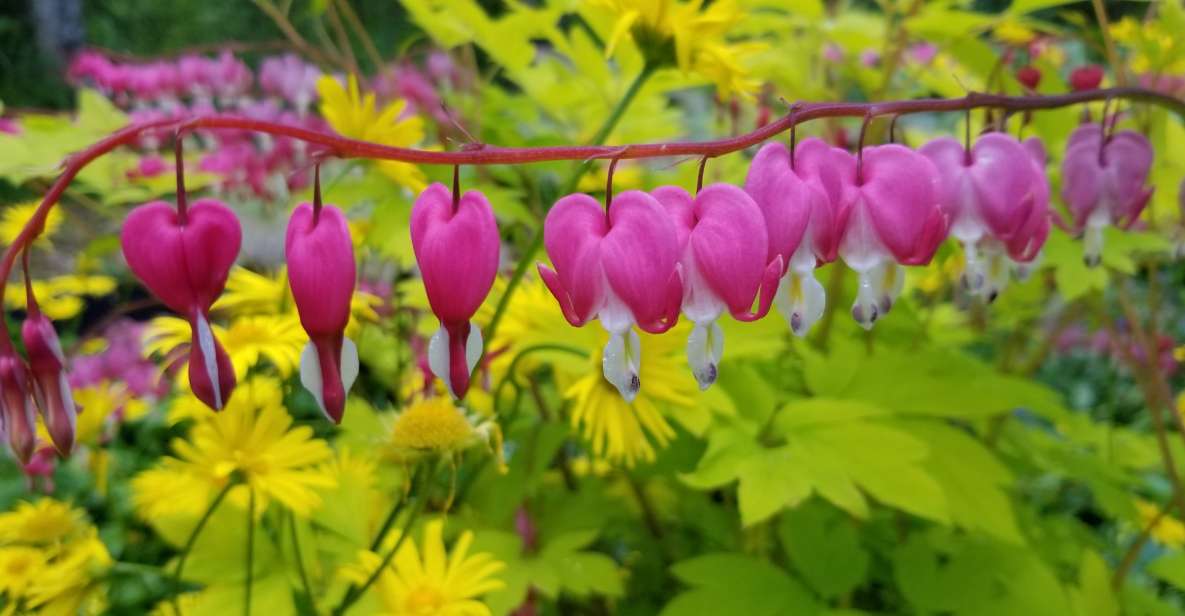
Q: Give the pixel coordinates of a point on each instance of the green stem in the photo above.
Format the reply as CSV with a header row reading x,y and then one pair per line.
x,y
304,578
193,535
391,516
508,376
537,242
250,551
353,593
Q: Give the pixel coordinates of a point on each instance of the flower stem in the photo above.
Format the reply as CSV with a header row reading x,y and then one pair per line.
x,y
528,257
250,551
353,593
304,578
193,535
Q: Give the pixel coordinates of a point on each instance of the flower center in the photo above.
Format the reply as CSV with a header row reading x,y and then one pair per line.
x,y
423,601
432,424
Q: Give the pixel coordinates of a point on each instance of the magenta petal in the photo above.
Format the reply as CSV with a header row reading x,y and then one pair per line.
x,y
321,268
729,245
831,173
680,207
458,334
1082,181
552,281
1002,172
785,201
457,251
572,234
184,265
900,189
950,160
639,254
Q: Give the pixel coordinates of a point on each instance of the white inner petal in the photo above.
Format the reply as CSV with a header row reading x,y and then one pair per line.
x,y
974,273
438,357
621,363
209,358
310,373
348,364
801,299
700,303
1092,240
473,347
705,347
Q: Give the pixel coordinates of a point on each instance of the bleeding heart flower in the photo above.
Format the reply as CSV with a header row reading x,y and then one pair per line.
x,y
16,405
989,194
183,257
800,219
722,241
321,273
457,246
890,217
51,387
1104,182
620,267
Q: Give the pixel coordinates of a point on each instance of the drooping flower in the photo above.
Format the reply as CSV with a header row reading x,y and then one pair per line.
x,y
890,216
16,405
456,245
1086,77
989,192
1105,182
620,267
184,257
723,250
430,579
321,273
800,219
51,386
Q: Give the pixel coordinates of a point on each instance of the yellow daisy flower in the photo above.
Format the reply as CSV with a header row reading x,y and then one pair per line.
x,y
626,432
60,297
354,115
257,447
100,402
437,426
249,340
19,566
690,35
73,579
253,394
1168,531
434,582
13,218
253,293
43,522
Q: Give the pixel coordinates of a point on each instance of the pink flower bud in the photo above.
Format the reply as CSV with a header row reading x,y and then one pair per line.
x,y
1086,77
723,258
1028,76
456,247
1105,182
16,405
621,268
51,388
184,261
321,273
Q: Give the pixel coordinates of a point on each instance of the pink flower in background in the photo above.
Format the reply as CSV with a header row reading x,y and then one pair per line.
x,y
10,126
321,274
620,267
833,53
870,58
183,257
290,78
122,361
923,53
457,245
1105,182
723,250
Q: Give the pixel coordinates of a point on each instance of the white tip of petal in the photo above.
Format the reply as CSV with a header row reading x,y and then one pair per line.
x,y
621,363
801,299
310,375
473,347
1092,242
438,357
705,347
349,364
209,358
